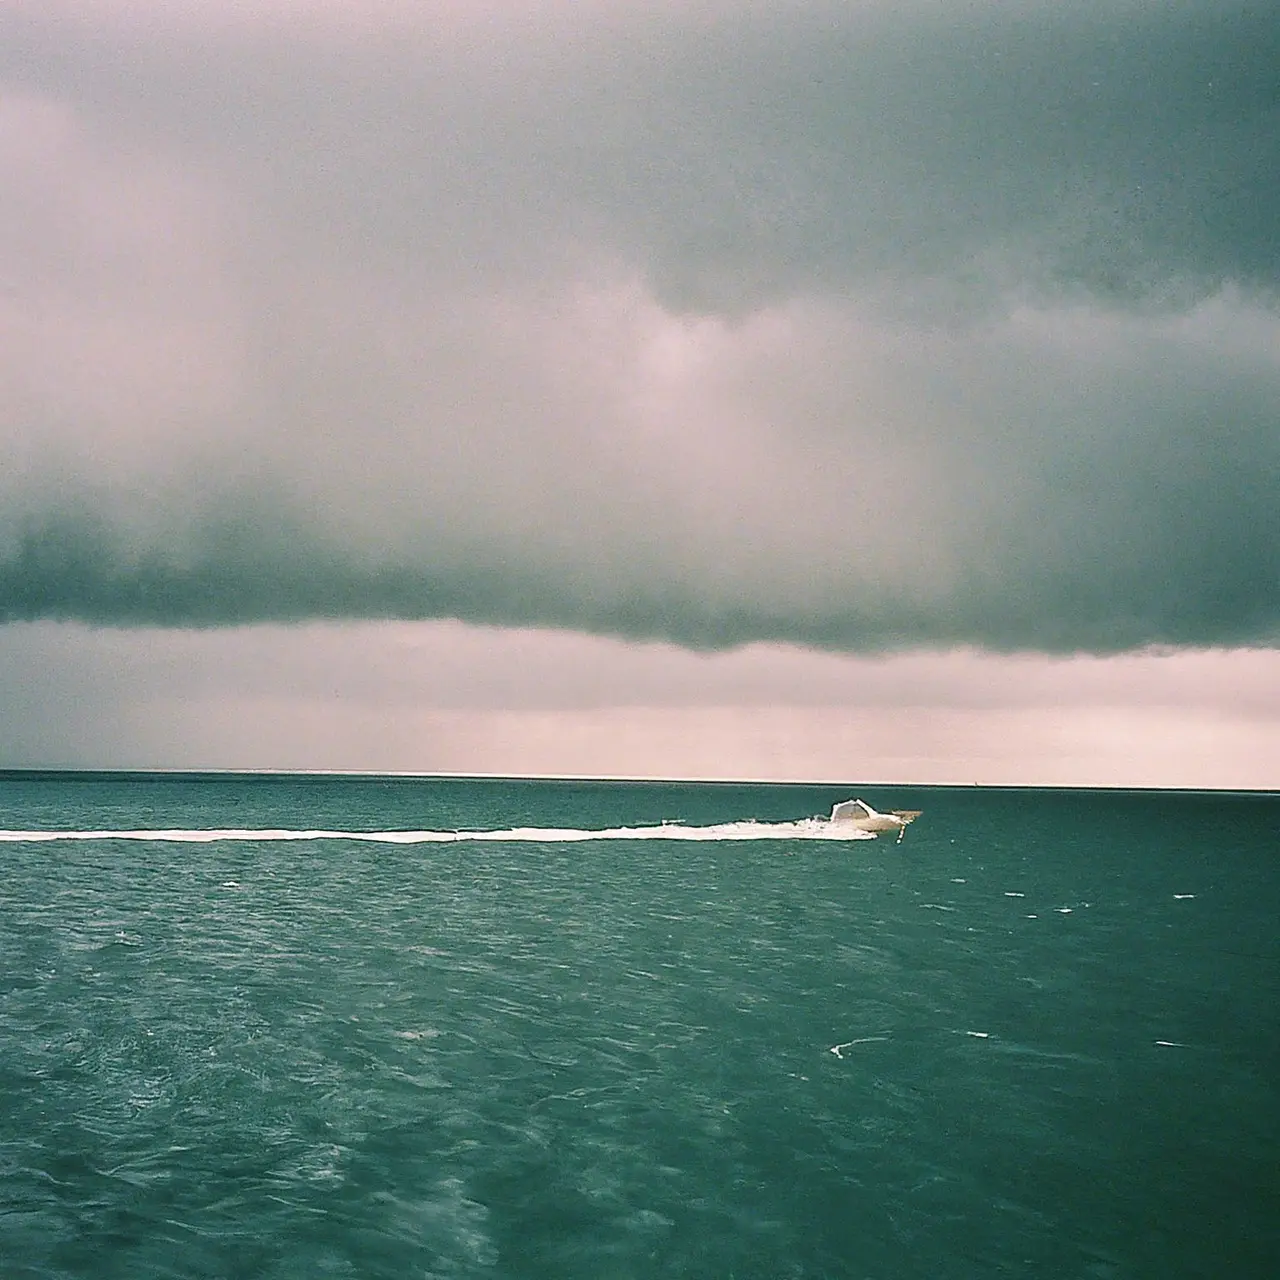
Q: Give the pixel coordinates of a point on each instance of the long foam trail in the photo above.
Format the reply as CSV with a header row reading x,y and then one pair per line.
x,y
806,829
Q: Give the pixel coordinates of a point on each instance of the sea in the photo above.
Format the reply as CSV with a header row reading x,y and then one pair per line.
x,y
290,1026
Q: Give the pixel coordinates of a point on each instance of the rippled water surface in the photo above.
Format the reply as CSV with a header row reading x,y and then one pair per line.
x,y
1039,1037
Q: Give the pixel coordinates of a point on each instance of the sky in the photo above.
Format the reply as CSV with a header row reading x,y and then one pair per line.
x,y
864,391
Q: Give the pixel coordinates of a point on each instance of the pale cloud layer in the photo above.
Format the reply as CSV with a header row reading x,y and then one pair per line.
x,y
868,328
445,697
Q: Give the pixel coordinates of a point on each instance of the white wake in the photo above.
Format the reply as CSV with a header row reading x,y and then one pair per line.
x,y
804,829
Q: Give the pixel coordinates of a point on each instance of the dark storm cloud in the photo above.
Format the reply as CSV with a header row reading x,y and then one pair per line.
x,y
737,157
865,328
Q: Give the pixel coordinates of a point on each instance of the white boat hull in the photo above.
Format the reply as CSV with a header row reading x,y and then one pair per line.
x,y
859,815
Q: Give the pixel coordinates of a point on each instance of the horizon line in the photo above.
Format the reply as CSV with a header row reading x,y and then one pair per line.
x,y
429,775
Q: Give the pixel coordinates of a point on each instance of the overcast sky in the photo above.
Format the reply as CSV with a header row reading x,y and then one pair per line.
x,y
856,391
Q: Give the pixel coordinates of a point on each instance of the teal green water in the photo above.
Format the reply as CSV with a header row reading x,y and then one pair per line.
x,y
1038,1038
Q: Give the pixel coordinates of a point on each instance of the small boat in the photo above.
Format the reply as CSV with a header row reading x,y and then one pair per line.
x,y
860,815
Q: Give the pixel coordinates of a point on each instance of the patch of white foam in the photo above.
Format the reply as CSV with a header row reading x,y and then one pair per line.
x,y
805,829
849,1044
